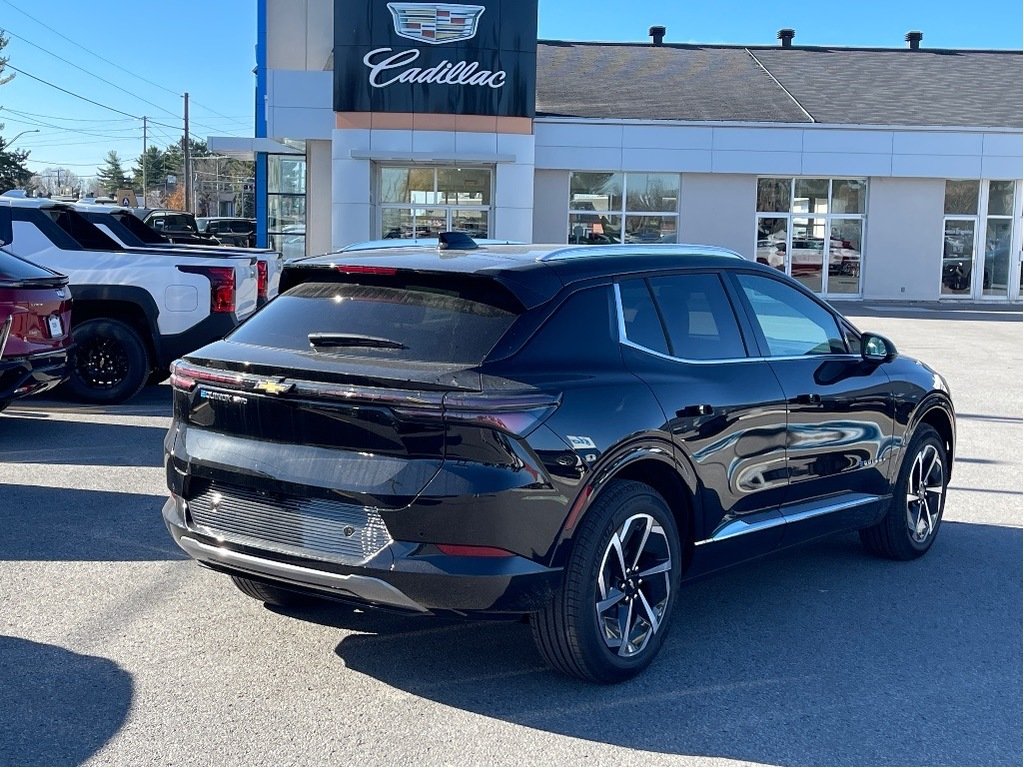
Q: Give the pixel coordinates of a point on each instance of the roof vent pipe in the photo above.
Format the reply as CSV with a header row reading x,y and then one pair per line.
x,y
786,36
914,38
657,35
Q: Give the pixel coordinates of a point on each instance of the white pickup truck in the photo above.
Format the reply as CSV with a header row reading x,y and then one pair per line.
x,y
135,310
131,232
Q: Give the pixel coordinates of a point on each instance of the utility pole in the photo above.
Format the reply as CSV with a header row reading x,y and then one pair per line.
x,y
186,151
144,139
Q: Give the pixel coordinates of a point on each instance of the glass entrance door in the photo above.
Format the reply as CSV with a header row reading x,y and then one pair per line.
x,y
423,201
958,247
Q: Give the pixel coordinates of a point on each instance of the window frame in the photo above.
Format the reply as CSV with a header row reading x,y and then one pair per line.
x,y
842,324
747,337
827,216
450,209
623,211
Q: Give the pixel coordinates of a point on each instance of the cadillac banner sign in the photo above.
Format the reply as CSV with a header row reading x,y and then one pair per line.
x,y
446,58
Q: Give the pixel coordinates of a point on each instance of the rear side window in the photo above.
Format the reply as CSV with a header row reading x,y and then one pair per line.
x,y
13,268
379,322
640,317
699,318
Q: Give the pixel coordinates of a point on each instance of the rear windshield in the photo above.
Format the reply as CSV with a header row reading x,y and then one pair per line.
x,y
378,322
13,268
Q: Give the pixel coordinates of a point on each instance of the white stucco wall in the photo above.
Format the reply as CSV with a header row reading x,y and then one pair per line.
x,y
551,206
718,209
318,197
903,239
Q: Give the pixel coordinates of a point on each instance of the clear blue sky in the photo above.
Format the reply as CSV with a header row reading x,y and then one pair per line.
x,y
208,49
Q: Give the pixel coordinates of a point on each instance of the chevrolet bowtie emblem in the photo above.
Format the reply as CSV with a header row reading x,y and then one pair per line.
x,y
272,387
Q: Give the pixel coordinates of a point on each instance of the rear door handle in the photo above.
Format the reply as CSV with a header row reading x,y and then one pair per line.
x,y
694,410
809,399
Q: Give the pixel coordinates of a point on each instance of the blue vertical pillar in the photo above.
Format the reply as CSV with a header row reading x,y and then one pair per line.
x,y
260,195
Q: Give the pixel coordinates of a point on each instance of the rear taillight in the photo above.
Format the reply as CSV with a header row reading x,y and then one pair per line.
x,y
180,377
262,280
516,414
222,286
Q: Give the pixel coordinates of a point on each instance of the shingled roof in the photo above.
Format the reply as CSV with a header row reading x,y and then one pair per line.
x,y
855,86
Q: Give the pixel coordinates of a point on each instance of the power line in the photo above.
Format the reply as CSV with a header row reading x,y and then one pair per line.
x,y
58,162
108,61
77,96
91,74
59,128
69,119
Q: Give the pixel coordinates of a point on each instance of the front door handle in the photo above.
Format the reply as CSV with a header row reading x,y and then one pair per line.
x,y
694,410
809,399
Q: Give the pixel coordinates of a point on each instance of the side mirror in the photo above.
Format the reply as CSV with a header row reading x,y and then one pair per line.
x,y
876,349
6,225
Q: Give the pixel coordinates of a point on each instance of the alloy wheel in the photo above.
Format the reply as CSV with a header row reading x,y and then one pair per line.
x,y
633,585
925,488
103,363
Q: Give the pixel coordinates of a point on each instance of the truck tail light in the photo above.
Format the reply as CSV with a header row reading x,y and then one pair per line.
x,y
262,281
222,286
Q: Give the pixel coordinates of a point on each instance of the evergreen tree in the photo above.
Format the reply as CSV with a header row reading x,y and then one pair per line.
x,y
155,162
13,173
111,176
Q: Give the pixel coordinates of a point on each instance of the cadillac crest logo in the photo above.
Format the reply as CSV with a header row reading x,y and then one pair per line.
x,y
435,23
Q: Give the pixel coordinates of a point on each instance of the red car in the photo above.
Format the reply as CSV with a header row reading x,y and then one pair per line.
x,y
35,317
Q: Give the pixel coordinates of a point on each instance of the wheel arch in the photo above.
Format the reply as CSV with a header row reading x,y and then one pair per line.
x,y
937,412
652,464
129,304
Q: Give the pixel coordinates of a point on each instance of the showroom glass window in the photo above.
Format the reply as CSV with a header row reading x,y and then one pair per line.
x,y
623,208
977,239
421,201
286,204
813,229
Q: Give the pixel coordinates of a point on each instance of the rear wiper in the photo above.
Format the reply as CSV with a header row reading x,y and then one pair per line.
x,y
352,340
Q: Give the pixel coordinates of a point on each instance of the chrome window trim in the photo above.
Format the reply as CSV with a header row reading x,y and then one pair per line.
x,y
625,341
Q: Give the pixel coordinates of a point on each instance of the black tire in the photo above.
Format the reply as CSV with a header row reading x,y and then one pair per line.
x,y
271,595
568,632
111,364
893,537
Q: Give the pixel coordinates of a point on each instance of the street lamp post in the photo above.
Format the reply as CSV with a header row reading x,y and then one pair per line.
x,y
8,144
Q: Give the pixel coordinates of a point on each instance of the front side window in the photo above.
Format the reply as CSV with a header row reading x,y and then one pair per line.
x,y
793,324
623,208
813,230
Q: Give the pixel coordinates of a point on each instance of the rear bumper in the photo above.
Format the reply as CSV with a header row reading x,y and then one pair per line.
x,y
404,576
30,375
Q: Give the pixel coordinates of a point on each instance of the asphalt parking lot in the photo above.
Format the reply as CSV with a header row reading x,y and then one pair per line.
x,y
116,649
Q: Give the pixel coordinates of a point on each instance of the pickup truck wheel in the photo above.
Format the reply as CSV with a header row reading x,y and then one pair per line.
x,y
111,364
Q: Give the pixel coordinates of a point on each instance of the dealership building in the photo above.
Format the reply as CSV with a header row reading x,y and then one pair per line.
x,y
874,173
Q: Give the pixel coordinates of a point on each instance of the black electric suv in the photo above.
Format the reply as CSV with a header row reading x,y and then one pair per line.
x,y
559,432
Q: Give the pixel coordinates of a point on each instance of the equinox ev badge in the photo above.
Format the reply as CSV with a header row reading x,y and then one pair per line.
x,y
222,397
270,387
435,23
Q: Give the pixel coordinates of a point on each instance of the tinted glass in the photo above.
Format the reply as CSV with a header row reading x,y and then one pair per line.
x,y
643,326
773,195
1000,198
581,332
962,197
848,195
433,327
792,323
700,320
657,192
810,196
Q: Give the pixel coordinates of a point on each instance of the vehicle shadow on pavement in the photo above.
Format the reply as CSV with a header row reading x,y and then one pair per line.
x,y
820,656
34,439
151,401
59,707
67,524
